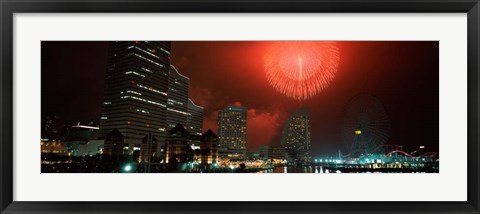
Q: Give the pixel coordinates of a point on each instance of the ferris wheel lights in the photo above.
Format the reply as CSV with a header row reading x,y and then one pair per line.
x,y
365,117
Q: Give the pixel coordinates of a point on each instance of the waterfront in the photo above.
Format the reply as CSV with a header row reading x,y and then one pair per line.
x,y
151,112
327,170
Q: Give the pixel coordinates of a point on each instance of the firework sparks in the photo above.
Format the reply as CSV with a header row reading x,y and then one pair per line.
x,y
301,69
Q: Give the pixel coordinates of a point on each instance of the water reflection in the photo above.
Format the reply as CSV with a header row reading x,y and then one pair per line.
x,y
313,169
305,169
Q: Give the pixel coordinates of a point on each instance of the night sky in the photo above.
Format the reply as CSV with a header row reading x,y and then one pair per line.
x,y
403,75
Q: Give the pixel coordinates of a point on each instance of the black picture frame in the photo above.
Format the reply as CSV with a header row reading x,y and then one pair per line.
x,y
9,7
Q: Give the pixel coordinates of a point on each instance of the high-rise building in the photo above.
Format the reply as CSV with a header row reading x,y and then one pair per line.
x,y
296,134
195,118
177,99
136,88
232,131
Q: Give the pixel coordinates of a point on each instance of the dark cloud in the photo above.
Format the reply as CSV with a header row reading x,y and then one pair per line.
x,y
262,127
202,96
182,62
210,121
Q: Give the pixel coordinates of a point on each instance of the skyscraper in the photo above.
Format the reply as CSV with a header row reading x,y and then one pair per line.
x,y
177,99
232,131
296,134
136,87
195,118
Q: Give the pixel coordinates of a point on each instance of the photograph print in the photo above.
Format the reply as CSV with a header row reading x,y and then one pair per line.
x,y
239,107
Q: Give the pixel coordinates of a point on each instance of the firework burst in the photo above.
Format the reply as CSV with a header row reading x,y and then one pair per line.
x,y
301,69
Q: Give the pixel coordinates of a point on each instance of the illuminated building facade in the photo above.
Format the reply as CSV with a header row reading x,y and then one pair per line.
x,y
148,148
92,147
136,87
53,146
273,152
82,133
195,118
177,99
83,140
296,134
177,145
208,148
232,131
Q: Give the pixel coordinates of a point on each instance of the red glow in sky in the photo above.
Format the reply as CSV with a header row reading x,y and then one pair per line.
x,y
403,75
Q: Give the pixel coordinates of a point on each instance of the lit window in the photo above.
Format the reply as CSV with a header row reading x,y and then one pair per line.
x,y
144,100
167,52
174,110
134,92
147,52
151,89
147,70
137,55
133,72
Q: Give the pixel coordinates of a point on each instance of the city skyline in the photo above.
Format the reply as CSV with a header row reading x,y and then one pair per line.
x,y
400,64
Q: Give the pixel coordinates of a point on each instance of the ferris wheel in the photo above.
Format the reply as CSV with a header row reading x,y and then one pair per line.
x,y
366,126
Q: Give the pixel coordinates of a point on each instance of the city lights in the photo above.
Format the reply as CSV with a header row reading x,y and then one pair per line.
x,y
247,107
127,168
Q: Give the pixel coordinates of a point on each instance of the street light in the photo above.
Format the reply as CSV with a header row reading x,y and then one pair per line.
x,y
127,168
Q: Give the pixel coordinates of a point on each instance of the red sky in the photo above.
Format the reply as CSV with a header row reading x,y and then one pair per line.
x,y
403,75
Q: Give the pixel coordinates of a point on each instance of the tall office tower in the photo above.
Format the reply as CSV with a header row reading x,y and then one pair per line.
x,y
232,131
177,105
195,118
136,87
296,134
